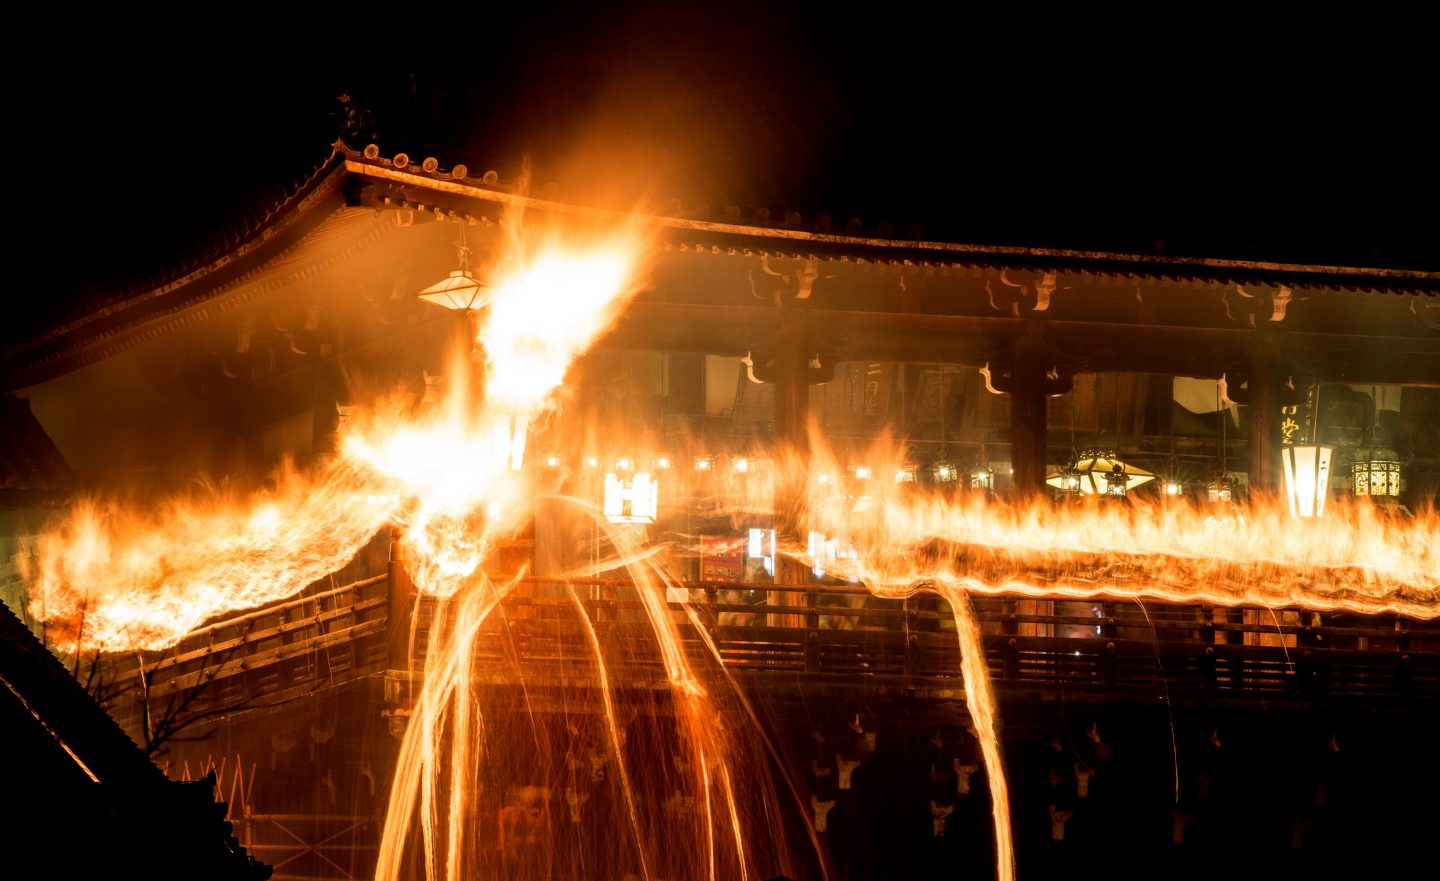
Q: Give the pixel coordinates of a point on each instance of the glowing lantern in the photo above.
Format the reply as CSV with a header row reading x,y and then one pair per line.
x,y
1173,487
983,478
1307,478
1067,480
905,475
861,472
1220,490
1376,474
704,463
459,290
945,471
631,500
1098,473
1377,471
741,465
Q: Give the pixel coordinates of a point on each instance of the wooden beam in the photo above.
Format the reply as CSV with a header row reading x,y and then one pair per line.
x,y
1086,346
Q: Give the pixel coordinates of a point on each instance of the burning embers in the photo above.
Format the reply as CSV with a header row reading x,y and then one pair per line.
x,y
114,578
453,474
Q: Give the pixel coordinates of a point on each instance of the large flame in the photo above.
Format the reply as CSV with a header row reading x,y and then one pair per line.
x,y
896,538
542,318
113,577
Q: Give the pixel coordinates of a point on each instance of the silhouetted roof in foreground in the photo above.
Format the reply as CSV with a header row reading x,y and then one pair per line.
x,y
81,799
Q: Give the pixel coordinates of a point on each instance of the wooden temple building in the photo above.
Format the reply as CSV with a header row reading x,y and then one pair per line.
x,y
1197,725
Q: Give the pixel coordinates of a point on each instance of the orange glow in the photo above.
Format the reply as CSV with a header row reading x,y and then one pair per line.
x,y
540,319
451,476
1357,558
114,578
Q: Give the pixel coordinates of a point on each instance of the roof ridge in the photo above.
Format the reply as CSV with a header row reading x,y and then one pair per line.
x,y
792,228
232,234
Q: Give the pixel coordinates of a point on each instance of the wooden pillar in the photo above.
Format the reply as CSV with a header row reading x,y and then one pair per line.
x,y
1267,376
792,457
1027,415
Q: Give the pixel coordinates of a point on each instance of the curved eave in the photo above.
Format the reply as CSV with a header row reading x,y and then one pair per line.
x,y
146,313
442,191
346,176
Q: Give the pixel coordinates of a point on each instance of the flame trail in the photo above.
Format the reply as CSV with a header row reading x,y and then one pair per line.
x,y
980,701
418,773
113,578
613,732
893,537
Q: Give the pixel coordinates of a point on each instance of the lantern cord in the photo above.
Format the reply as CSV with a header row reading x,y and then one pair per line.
x,y
1074,453
1224,426
1376,432
944,408
464,250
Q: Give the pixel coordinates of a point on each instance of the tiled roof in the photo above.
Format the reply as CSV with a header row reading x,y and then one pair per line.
x,y
398,181
429,185
64,711
81,795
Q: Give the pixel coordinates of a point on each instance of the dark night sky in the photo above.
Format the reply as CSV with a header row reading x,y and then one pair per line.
x,y
1307,144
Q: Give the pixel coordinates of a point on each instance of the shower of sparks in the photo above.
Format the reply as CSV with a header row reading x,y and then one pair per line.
x,y
117,578
452,477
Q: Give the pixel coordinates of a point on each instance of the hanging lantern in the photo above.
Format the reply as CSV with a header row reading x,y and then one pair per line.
x,y
1376,474
983,478
1307,477
1116,480
1220,490
1067,480
945,471
460,290
631,499
1097,472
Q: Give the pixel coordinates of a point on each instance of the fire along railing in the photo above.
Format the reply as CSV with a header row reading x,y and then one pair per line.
x,y
841,634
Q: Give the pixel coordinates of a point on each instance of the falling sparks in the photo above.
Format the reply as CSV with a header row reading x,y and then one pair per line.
x,y
450,475
115,578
